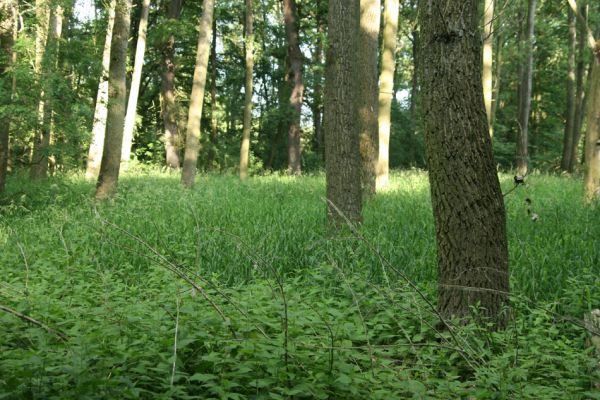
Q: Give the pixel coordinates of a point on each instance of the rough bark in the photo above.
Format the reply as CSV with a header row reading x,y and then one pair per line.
x,y
386,87
290,17
570,100
488,40
592,138
101,110
39,159
192,143
249,47
212,151
467,201
117,89
526,79
7,24
342,158
368,91
134,89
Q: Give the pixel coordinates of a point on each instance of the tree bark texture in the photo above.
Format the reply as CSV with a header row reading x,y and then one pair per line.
x,y
522,159
488,40
290,17
192,143
592,139
7,24
169,105
467,201
249,47
571,100
386,88
117,98
39,159
342,158
101,110
136,79
368,91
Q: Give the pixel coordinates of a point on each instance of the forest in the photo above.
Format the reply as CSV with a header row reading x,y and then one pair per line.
x,y
299,199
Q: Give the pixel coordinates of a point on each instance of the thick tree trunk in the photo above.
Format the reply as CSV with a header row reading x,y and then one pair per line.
x,y
290,17
368,91
117,98
135,85
212,151
386,87
192,143
169,108
7,24
39,159
592,138
488,40
522,159
249,47
567,152
467,201
99,127
342,158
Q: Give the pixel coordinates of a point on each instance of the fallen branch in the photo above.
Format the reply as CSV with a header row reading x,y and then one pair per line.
x,y
35,322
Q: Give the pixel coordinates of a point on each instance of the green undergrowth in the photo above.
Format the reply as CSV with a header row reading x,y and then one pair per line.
x,y
236,290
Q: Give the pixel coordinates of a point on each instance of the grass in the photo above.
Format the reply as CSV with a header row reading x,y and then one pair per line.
x,y
279,309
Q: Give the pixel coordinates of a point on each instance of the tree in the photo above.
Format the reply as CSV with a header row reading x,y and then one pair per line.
x,y
468,206
111,154
386,87
565,162
39,159
367,95
249,47
101,110
488,40
290,17
192,143
342,159
7,24
135,84
522,160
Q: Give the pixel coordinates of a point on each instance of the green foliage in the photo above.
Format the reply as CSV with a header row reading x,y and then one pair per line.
x,y
346,326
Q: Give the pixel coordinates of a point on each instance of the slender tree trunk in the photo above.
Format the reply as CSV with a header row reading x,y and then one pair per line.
x,y
99,127
212,151
117,98
342,158
169,109
192,143
522,160
249,36
467,201
497,76
7,24
317,105
368,91
290,16
39,160
571,100
386,86
592,138
135,85
488,40
579,92
414,90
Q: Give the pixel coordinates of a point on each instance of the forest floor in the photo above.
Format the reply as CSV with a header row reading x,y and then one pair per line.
x,y
236,290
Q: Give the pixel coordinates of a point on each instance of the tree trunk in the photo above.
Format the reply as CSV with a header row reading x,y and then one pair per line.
x,y
212,151
522,160
565,162
317,105
579,92
467,201
290,17
368,90
39,159
488,40
117,90
192,143
342,158
498,75
386,86
99,127
249,36
592,138
135,85
7,24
